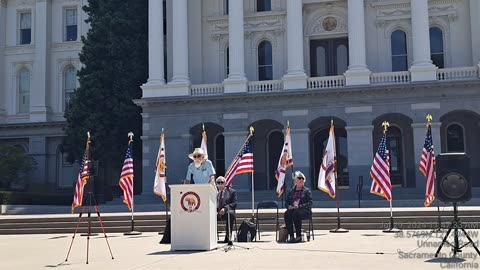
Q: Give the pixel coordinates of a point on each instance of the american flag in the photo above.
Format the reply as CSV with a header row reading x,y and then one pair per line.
x,y
126,177
243,162
380,171
427,167
83,177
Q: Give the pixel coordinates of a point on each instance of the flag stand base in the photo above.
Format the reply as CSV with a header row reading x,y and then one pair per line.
x,y
392,230
91,200
132,233
339,230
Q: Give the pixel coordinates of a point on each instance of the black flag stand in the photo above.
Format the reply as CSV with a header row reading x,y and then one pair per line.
x,y
91,199
392,228
337,195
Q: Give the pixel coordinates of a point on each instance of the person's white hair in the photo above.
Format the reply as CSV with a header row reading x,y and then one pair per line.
x,y
300,174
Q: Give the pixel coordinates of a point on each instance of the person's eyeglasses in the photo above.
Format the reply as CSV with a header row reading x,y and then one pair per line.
x,y
220,183
197,156
301,178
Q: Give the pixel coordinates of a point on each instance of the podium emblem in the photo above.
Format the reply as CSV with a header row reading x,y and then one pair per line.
x,y
190,201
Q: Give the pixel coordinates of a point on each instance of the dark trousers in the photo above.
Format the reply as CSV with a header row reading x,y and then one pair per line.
x,y
229,226
294,217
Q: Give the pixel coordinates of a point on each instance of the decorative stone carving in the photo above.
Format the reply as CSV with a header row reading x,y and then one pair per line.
x,y
329,23
3,3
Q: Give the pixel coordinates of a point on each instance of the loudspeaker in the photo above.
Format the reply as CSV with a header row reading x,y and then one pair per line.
x,y
453,177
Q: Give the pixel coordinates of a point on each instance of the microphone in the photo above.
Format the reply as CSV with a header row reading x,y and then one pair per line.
x,y
191,179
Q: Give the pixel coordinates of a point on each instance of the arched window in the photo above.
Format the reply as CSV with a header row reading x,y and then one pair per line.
x,y
320,140
220,154
24,91
275,144
264,5
436,47
395,146
455,139
265,67
399,51
70,85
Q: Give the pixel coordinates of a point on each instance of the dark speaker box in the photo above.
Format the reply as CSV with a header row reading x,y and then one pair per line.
x,y
453,177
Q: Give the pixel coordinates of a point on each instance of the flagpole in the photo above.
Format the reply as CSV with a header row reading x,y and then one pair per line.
x,y
392,229
132,231
337,192
253,187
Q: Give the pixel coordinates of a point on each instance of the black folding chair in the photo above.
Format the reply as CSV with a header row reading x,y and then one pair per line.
x,y
267,205
310,227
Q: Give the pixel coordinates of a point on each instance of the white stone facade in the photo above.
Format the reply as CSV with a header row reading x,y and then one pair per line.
x,y
359,62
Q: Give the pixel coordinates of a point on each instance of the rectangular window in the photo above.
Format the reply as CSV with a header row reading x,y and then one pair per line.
x,y
71,24
25,28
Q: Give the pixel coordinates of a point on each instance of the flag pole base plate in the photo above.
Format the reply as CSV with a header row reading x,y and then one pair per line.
x,y
392,230
339,230
132,233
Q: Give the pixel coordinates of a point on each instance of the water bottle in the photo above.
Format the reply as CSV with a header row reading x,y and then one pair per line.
x,y
249,236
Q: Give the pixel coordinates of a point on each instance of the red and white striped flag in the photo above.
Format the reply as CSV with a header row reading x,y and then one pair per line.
x,y
427,167
83,177
242,163
380,171
126,177
159,186
285,161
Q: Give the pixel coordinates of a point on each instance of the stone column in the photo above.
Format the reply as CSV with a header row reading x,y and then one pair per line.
x,y
422,68
3,87
180,43
236,81
295,77
155,43
360,154
40,85
358,72
419,132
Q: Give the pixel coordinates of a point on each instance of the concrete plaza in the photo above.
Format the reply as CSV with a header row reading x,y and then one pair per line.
x,y
354,250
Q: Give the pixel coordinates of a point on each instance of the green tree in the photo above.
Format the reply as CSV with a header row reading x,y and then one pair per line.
x,y
115,64
14,166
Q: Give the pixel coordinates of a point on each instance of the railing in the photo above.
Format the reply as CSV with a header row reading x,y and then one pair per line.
x,y
390,77
207,89
265,86
459,73
326,82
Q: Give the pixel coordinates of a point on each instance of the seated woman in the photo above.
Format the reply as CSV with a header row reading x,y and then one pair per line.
x,y
299,206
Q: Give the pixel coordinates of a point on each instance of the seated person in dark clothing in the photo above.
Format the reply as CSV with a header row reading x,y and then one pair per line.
x,y
299,206
226,205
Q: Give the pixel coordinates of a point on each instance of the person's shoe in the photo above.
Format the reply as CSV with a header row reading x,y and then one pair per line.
x,y
225,241
297,240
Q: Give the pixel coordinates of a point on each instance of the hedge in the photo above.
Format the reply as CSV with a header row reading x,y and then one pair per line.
x,y
34,198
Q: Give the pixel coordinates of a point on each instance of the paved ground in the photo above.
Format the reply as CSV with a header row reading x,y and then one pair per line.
x,y
353,250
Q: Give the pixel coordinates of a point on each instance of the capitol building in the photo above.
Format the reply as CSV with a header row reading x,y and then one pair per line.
x,y
228,65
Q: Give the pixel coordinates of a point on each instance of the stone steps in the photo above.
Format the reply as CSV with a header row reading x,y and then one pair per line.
x,y
323,219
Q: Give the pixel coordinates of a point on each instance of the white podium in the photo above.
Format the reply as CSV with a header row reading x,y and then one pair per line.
x,y
194,217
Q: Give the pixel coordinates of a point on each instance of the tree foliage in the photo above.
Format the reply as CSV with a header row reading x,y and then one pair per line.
x,y
14,166
115,63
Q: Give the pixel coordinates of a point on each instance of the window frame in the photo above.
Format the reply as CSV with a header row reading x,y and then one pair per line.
x,y
394,56
23,109
20,40
443,45
66,25
267,6
264,65
463,136
66,92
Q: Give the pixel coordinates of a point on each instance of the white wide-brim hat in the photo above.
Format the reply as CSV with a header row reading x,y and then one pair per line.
x,y
197,151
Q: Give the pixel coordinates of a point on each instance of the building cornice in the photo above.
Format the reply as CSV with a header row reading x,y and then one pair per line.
x,y
32,125
406,90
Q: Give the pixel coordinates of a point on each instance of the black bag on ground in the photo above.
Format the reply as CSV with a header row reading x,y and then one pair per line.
x,y
246,227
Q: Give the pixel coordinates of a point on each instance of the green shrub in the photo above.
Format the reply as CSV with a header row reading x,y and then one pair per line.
x,y
15,166
33,198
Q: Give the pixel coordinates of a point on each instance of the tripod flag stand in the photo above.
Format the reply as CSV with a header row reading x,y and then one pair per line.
x,y
83,178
